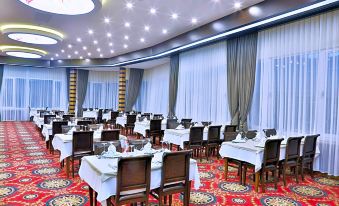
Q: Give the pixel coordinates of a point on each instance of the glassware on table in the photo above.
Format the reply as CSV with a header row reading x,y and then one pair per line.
x,y
104,151
131,148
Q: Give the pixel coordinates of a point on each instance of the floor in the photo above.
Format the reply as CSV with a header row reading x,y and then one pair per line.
x,y
29,175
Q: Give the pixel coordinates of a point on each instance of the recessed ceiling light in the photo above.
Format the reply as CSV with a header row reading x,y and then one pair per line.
x,y
127,24
84,48
69,56
79,39
153,11
69,46
174,16
52,58
126,37
87,60
129,5
57,55
95,42
74,7
237,5
31,34
216,1
109,34
125,46
112,51
142,39
194,20
62,51
76,52
147,28
101,55
98,49
164,31
81,57
110,44
59,60
89,54
90,31
23,52
107,20
254,11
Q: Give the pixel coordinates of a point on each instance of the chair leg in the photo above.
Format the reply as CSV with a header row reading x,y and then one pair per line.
x,y
90,195
73,168
284,175
311,169
170,200
262,180
160,200
296,173
207,152
302,171
226,167
275,180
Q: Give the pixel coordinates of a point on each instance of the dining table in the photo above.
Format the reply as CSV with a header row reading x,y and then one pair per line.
x,y
140,127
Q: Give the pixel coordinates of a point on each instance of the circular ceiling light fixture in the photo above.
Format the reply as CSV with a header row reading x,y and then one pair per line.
x,y
31,34
66,7
22,52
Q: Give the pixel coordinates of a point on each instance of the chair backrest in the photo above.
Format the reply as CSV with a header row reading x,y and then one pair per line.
x,y
172,123
310,145
181,162
185,120
206,123
65,128
84,122
230,128
100,113
146,115
58,112
114,115
92,119
110,135
67,117
43,112
229,136
90,109
187,125
250,134
140,167
84,109
293,148
155,125
131,118
138,143
82,141
47,118
272,151
196,135
270,132
214,134
158,116
56,127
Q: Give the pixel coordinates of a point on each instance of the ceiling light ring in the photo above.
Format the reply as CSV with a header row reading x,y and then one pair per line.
x,y
30,50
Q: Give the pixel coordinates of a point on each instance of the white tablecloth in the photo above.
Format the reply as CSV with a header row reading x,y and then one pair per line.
x,y
46,131
39,121
141,127
63,143
179,136
121,121
248,152
92,169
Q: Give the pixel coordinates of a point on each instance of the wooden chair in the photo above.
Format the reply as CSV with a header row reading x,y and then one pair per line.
x,y
135,188
56,129
291,157
185,120
176,180
270,132
138,143
270,162
129,126
110,135
92,119
48,117
114,115
308,154
158,116
196,140
229,136
155,130
146,115
67,117
99,117
172,123
250,134
213,141
84,122
230,128
206,123
82,146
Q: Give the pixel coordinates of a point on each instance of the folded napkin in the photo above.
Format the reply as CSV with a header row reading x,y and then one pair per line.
x,y
71,130
180,127
145,119
112,149
148,148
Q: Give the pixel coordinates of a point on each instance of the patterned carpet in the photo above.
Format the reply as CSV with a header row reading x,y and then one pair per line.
x,y
29,175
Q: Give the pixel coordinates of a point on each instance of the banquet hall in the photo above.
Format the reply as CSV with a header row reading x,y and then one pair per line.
x,y
169,102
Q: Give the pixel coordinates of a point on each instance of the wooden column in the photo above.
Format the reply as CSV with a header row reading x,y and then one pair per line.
x,y
122,88
72,90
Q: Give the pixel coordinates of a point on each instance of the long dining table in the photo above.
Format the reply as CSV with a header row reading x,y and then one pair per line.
x,y
101,173
252,152
64,143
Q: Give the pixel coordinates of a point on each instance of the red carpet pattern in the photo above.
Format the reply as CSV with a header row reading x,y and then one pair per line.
x,y
29,175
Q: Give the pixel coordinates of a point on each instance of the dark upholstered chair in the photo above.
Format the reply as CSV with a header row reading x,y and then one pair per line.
x,y
270,132
196,140
230,128
67,117
185,120
155,130
291,157
110,135
172,123
82,146
114,115
158,116
213,140
250,134
48,117
176,180
135,188
146,115
308,154
206,123
84,122
99,117
129,126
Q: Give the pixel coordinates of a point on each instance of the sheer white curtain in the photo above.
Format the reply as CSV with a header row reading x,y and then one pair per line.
x,y
102,90
153,95
25,87
297,83
202,84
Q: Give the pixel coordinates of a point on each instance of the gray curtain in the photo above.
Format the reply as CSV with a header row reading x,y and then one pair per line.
x,y
173,84
1,77
82,81
134,84
241,65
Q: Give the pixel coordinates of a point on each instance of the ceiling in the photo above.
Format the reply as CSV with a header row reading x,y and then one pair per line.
x,y
113,18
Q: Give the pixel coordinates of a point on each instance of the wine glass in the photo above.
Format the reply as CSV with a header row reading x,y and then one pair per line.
x,y
131,148
104,151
